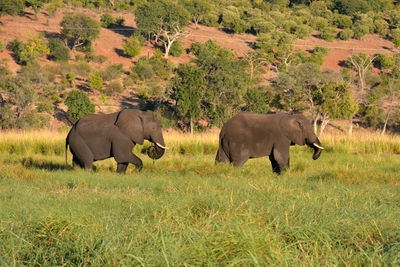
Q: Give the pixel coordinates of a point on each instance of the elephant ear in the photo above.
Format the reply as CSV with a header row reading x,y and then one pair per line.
x,y
293,129
130,123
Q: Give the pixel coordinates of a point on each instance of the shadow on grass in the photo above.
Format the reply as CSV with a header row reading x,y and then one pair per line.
x,y
32,163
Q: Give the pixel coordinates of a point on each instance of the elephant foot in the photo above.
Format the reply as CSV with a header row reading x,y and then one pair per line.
x,y
121,167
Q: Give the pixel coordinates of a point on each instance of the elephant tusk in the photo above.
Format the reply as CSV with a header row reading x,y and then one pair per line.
x,y
161,146
318,146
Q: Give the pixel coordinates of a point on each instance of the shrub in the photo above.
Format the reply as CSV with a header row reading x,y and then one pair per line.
x,y
342,21
114,87
119,21
106,20
176,49
360,30
95,81
328,34
15,45
381,27
1,47
58,50
45,106
346,34
78,104
27,53
83,69
112,72
133,46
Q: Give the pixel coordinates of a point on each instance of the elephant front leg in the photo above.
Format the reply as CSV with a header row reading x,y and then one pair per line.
x,y
121,167
124,161
279,159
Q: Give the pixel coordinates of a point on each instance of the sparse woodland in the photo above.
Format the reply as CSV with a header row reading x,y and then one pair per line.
x,y
365,91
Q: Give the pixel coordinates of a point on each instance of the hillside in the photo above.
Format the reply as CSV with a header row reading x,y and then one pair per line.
x,y
109,44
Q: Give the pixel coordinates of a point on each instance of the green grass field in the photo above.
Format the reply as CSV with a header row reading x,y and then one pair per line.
x,y
182,210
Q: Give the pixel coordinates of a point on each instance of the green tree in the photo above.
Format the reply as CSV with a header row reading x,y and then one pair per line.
x,y
361,64
390,88
58,50
11,7
187,90
164,19
36,5
257,100
197,9
26,53
306,88
232,18
225,88
278,48
79,105
79,30
17,111
396,37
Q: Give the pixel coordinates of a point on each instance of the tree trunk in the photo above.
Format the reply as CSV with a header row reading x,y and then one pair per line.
x,y
191,126
385,125
324,122
167,48
351,127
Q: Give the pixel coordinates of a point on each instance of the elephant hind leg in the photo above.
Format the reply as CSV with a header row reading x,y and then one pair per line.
x,y
221,156
76,162
122,151
83,156
121,167
279,158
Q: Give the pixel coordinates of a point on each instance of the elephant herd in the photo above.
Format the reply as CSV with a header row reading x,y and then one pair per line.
x,y
245,136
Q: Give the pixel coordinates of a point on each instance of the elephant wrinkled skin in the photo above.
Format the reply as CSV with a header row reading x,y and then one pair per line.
x,y
101,136
249,135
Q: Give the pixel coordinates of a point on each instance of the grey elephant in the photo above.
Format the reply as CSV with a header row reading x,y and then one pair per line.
x,y
100,136
249,135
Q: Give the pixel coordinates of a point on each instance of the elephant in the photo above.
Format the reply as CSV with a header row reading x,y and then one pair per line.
x,y
101,136
249,135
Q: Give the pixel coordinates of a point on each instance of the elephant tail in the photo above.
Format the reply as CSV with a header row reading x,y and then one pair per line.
x,y
66,152
221,154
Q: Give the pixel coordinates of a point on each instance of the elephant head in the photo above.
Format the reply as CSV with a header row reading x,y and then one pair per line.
x,y
139,125
300,132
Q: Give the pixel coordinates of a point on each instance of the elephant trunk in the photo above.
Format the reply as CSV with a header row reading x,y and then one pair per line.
x,y
316,145
158,150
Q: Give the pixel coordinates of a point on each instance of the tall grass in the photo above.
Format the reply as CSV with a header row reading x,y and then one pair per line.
x,y
53,143
185,211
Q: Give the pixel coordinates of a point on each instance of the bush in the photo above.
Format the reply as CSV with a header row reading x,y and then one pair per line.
x,y
1,47
345,34
15,45
381,27
360,30
119,21
176,49
114,87
342,21
58,50
45,106
133,46
112,72
328,34
106,20
78,104
95,82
